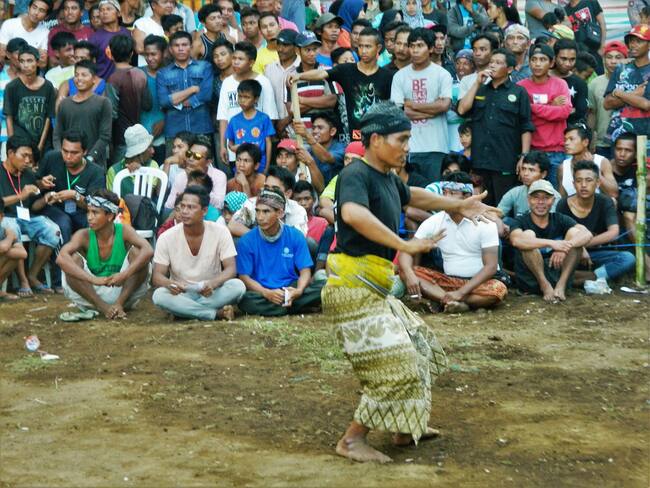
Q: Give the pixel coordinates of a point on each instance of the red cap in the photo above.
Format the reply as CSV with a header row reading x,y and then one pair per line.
x,y
616,46
642,31
357,148
288,144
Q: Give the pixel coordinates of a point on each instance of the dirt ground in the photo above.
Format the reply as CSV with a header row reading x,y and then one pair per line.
x,y
537,395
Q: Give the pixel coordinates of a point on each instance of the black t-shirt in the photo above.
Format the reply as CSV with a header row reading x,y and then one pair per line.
x,y
27,177
384,194
602,215
90,179
361,91
584,12
579,96
29,108
558,225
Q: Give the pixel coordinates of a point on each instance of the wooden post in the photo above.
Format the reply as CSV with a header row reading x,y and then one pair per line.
x,y
641,155
295,108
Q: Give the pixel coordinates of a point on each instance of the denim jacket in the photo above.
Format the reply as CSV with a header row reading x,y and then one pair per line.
x,y
195,118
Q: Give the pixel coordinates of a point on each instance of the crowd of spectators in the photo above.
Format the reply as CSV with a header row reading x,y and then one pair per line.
x,y
238,118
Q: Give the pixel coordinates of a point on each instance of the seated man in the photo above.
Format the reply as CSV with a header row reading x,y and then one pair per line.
x,y
597,213
469,253
105,267
247,179
194,265
548,245
294,215
138,152
299,163
268,258
19,192
11,252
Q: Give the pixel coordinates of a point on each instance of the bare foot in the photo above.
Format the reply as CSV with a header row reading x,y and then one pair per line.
x,y
357,449
403,440
114,312
548,292
559,293
456,307
227,313
7,297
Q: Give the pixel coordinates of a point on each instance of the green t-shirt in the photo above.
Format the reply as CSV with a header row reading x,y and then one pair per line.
x,y
113,264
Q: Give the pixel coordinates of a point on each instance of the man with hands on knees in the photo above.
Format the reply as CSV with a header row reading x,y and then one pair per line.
x,y
548,245
106,266
194,265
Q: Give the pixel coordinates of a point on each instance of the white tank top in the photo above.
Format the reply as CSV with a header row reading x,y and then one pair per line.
x,y
567,174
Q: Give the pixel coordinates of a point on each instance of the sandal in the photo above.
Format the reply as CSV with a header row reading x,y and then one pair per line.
x,y
8,297
25,292
44,289
78,316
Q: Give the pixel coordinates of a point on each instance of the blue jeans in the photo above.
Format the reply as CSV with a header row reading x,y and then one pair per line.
x,y
556,159
40,230
611,264
191,305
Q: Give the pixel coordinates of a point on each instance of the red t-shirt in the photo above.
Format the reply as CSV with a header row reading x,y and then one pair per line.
x,y
315,227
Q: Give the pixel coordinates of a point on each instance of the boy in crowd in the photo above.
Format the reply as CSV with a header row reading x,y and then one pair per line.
x,y
87,113
274,263
469,253
109,13
194,264
63,46
29,102
247,179
566,53
305,196
465,137
324,147
293,215
30,27
106,266
70,23
299,163
11,253
550,104
270,29
251,125
597,213
154,119
20,195
534,167
242,66
548,245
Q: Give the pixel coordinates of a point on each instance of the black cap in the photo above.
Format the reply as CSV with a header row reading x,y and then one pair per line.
x,y
287,36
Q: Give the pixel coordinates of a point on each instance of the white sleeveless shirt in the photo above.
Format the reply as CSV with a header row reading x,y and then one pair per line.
x,y
567,174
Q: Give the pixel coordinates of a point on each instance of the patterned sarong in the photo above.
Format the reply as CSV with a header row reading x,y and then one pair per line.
x,y
393,352
490,288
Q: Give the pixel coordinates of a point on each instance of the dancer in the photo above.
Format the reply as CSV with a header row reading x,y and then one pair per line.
x,y
392,351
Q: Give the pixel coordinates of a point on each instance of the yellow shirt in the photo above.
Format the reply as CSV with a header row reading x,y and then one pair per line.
x,y
264,56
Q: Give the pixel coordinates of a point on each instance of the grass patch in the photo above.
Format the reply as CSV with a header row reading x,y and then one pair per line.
x,y
27,364
315,343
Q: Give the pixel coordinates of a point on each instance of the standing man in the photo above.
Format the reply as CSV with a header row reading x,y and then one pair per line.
x,y
517,40
109,13
270,29
328,29
324,147
147,26
185,90
153,120
628,92
548,245
364,83
369,198
550,103
251,28
194,265
29,102
440,52
565,63
277,72
598,117
19,192
30,27
581,13
62,46
482,47
401,52
87,113
106,266
501,125
424,90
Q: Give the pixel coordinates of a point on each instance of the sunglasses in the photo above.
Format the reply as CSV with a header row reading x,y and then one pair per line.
x,y
194,155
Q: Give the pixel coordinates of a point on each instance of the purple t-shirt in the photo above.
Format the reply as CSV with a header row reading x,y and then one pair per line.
x,y
101,39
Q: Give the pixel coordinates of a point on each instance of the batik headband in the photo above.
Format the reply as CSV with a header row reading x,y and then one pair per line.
x,y
457,186
272,198
103,203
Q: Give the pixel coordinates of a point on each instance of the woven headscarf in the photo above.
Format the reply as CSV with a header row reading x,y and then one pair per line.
x,y
103,203
384,118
